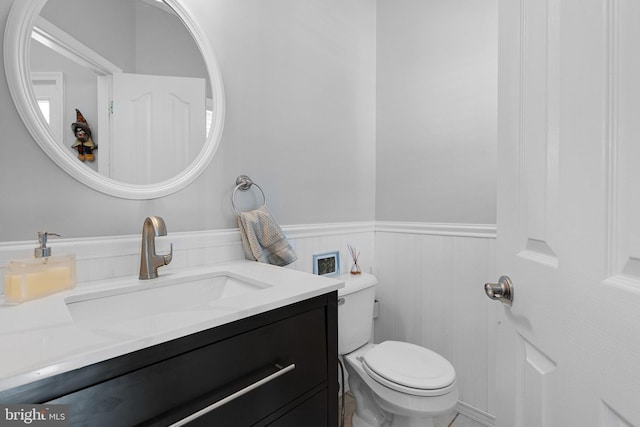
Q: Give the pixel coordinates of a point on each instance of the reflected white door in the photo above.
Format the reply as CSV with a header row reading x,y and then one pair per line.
x,y
158,126
48,87
569,213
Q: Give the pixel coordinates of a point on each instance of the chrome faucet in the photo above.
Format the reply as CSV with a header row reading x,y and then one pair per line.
x,y
149,262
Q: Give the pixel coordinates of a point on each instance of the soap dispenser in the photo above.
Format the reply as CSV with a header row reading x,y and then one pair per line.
x,y
41,275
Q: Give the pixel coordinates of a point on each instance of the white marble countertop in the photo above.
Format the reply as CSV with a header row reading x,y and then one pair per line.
x,y
39,338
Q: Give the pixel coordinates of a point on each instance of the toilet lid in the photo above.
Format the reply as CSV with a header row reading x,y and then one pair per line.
x,y
408,367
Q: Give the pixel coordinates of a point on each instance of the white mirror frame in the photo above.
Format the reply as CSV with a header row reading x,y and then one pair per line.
x,y
17,42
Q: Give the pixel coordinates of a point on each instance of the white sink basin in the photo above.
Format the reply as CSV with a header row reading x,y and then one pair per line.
x,y
164,300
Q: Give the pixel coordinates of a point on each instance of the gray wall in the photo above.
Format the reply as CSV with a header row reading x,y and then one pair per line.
x,y
300,79
300,120
437,110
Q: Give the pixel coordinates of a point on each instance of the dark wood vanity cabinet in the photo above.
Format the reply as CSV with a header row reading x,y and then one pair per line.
x,y
277,368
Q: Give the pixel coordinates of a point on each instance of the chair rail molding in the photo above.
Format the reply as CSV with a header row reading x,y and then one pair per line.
x,y
439,229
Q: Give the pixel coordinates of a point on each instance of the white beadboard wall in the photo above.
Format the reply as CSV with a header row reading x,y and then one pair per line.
x,y
431,292
110,257
430,282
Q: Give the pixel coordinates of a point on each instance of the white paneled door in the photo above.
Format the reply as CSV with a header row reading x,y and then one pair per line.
x,y
568,350
158,126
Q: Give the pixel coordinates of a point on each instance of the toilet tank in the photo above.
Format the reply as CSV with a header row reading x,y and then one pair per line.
x,y
355,311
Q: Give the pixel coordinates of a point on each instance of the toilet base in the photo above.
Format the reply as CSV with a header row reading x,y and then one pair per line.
x,y
368,414
356,421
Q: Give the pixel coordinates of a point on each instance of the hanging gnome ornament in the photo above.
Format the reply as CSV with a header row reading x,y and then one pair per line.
x,y
84,144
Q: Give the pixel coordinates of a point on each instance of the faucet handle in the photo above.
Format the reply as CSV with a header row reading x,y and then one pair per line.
x,y
168,257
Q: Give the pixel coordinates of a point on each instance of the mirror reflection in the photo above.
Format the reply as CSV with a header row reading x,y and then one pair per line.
x,y
122,85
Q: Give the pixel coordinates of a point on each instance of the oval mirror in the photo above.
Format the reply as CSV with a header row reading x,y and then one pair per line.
x,y
125,96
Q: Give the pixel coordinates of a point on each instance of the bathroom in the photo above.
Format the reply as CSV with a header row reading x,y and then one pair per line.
x,y
369,123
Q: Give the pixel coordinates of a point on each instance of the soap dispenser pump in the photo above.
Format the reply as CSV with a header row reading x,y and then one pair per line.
x,y
42,275
43,251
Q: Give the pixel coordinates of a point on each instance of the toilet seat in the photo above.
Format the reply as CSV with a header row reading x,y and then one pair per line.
x,y
409,368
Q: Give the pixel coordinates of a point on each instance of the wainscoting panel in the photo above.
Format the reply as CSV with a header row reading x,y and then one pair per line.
x,y
308,240
119,256
431,293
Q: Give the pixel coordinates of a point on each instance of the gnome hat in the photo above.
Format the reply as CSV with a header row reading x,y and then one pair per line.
x,y
81,123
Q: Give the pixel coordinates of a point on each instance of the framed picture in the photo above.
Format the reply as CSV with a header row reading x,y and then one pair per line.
x,y
326,264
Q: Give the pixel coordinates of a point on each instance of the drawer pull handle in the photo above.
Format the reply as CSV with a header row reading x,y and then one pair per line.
x,y
235,395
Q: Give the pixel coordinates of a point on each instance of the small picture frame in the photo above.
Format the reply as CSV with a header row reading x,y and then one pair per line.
x,y
327,264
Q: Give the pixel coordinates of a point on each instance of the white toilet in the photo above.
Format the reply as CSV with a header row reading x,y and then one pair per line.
x,y
396,384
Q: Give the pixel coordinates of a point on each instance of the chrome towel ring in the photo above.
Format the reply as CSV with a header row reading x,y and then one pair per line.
x,y
244,183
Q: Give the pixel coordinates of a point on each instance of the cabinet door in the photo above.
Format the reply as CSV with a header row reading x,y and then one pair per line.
x,y
175,388
312,411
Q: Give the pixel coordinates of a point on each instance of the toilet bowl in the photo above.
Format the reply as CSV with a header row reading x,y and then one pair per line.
x,y
395,384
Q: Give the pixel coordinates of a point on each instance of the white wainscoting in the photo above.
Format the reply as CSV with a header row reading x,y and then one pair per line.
x,y
430,289
118,256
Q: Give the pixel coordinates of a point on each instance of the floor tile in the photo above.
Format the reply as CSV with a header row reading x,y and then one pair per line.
x,y
450,420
